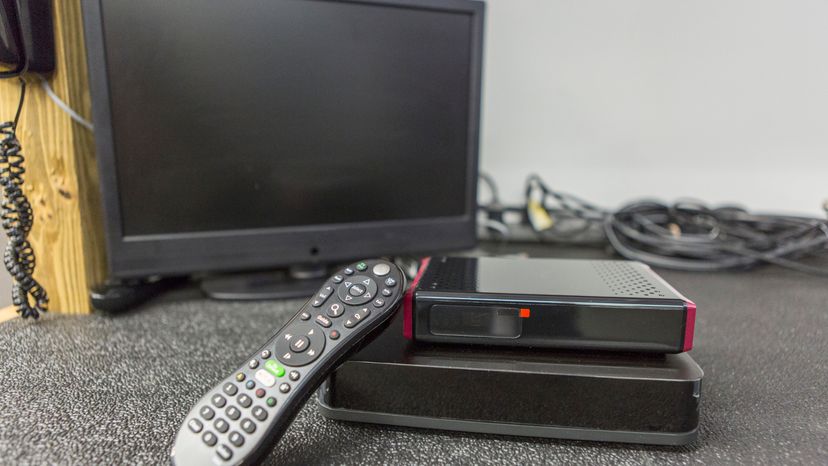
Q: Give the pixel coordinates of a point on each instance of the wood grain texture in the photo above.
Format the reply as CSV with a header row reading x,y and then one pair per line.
x,y
7,313
61,173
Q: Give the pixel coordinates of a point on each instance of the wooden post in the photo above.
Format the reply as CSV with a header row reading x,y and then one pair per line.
x,y
61,177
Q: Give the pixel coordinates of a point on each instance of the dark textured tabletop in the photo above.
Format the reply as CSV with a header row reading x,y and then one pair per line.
x,y
104,389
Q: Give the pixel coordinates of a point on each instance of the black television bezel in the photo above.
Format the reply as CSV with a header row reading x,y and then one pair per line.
x,y
232,250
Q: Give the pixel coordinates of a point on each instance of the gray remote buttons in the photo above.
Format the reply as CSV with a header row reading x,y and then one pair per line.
x,y
240,419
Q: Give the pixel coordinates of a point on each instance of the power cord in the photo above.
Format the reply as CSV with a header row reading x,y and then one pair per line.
x,y
28,295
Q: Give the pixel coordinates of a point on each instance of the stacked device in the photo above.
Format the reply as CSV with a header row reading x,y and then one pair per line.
x,y
579,349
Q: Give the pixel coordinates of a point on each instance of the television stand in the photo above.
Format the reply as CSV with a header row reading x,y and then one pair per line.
x,y
299,281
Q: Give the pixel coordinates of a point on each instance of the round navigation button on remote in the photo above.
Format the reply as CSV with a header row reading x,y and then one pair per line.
x,y
381,270
299,344
357,290
314,346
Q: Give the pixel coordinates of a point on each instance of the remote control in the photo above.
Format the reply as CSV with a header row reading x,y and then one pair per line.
x,y
240,419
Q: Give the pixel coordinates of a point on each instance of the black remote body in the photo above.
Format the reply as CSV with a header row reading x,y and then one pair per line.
x,y
239,420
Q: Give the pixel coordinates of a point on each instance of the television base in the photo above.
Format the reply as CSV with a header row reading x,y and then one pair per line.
x,y
295,282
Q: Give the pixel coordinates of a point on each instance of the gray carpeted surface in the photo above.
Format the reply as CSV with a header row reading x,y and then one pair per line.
x,y
112,390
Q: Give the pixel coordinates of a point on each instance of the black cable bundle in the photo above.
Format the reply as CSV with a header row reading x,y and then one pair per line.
x,y
19,257
690,236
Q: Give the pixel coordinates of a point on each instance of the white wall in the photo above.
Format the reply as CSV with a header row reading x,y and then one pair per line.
x,y
721,100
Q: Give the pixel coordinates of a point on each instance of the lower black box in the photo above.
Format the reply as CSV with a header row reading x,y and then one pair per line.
x,y
636,398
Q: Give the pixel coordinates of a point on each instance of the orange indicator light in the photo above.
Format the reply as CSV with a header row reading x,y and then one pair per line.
x,y
524,312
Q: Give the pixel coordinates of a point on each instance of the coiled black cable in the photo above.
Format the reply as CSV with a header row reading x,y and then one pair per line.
x,y
691,236
28,295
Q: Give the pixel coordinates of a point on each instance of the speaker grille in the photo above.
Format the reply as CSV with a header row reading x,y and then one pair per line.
x,y
625,280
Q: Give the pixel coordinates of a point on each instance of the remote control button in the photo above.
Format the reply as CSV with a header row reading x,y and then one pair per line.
x,y
323,295
233,413
250,384
362,266
265,354
357,317
236,439
379,302
230,389
381,269
321,320
245,401
207,412
221,425
219,401
337,279
260,413
271,402
335,310
356,290
274,368
390,282
348,271
253,364
260,393
248,426
209,438
294,375
386,292
265,378
287,355
239,377
334,335
224,452
305,315
299,344
195,425
284,388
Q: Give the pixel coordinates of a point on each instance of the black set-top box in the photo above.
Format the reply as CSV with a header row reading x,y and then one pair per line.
x,y
602,396
550,303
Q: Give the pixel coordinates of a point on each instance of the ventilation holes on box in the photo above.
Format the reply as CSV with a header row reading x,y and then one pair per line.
x,y
624,280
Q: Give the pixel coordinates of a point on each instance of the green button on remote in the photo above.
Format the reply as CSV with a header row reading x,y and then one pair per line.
x,y
274,368
362,266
